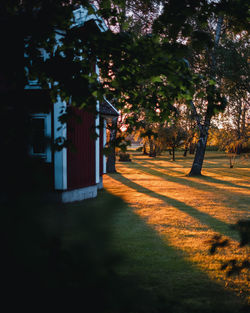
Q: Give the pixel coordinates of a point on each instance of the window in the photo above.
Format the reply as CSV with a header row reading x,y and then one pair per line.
x,y
40,136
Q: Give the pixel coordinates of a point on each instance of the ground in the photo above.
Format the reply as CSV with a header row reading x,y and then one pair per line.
x,y
171,218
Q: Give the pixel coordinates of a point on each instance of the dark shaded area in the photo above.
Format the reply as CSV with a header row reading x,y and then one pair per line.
x,y
61,257
233,266
58,256
106,110
37,100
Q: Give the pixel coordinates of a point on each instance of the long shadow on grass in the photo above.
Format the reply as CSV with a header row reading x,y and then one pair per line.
x,y
232,174
204,218
183,181
214,169
186,163
164,270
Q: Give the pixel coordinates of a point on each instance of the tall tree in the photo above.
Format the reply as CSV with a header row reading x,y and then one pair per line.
x,y
214,102
198,26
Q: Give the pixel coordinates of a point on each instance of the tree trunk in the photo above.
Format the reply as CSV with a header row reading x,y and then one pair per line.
x,y
239,117
111,156
231,163
244,120
202,143
173,150
192,148
151,147
200,153
144,150
185,150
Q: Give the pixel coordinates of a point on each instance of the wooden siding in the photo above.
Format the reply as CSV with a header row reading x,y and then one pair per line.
x,y
81,158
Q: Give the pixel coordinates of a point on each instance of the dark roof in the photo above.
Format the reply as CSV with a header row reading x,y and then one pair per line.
x,y
106,108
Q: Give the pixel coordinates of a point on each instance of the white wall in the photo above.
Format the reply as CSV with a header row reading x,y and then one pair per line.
x,y
97,146
60,157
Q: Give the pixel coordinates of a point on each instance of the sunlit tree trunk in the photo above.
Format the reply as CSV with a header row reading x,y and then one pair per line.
x,y
200,152
204,128
244,120
239,118
112,140
241,124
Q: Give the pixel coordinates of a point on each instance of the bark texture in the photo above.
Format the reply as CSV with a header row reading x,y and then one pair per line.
x,y
200,154
204,127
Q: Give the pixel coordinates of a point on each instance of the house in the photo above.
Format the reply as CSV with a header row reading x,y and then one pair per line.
x,y
76,173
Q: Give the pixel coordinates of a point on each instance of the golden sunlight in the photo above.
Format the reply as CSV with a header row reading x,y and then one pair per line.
x,y
189,211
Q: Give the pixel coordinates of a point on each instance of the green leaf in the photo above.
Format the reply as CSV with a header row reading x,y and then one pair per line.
x,y
95,93
91,10
211,82
200,95
156,79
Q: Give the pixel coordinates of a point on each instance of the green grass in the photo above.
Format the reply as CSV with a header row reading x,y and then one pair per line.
x,y
165,270
169,253
142,245
150,262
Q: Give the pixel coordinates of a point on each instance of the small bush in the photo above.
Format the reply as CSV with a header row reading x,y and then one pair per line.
x,y
212,148
124,157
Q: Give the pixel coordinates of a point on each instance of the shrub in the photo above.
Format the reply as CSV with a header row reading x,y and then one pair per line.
x,y
124,157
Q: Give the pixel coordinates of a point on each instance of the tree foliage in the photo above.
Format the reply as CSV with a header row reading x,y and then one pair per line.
x,y
145,73
182,30
198,31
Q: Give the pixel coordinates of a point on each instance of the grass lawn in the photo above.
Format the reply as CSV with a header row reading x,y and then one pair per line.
x,y
165,221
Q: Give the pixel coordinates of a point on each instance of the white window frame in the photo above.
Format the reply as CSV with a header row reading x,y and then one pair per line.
x,y
47,155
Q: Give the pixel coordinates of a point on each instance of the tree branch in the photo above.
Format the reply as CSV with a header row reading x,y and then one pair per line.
x,y
216,41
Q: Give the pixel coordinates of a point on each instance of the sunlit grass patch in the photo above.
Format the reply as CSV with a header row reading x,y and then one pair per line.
x,y
164,269
187,212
